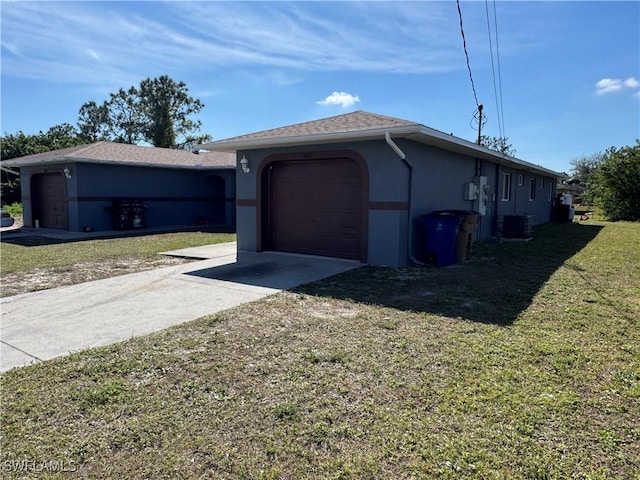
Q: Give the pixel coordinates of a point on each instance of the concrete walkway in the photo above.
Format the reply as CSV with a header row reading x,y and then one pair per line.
x,y
42,325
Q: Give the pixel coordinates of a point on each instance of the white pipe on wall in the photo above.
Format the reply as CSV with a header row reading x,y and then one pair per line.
x,y
403,157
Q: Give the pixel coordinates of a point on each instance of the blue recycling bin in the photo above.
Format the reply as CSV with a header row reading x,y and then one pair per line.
x,y
438,234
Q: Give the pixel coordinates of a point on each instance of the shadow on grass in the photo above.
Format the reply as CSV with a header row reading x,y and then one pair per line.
x,y
25,240
495,286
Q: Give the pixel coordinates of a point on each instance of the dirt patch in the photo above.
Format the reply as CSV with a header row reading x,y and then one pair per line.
x,y
44,278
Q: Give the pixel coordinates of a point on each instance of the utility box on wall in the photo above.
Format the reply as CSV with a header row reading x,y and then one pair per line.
x,y
480,203
470,191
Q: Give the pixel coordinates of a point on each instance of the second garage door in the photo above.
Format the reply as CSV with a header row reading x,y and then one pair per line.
x,y
49,200
315,207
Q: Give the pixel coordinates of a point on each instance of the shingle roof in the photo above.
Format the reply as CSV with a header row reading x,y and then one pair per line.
x,y
348,122
125,154
360,126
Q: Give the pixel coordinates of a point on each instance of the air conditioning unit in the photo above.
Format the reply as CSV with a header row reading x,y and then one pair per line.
x,y
517,226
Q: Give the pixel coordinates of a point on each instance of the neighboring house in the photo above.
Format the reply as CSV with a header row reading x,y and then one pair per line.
x,y
95,186
573,187
354,185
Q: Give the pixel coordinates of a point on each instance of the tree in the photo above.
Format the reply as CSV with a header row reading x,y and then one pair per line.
x,y
499,144
119,119
583,167
20,144
616,183
157,112
92,122
581,172
59,136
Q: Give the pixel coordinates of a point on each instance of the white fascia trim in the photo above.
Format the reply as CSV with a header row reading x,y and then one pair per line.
x,y
416,132
270,142
125,163
15,162
59,160
488,154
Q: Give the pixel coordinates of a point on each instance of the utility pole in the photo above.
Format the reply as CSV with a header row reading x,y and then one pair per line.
x,y
480,107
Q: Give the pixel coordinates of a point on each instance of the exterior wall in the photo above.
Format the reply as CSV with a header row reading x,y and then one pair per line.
x,y
439,178
173,196
519,201
246,227
387,229
387,199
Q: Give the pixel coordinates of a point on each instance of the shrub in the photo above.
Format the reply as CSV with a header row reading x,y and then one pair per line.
x,y
616,183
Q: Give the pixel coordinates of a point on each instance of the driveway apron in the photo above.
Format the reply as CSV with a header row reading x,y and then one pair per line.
x,y
43,325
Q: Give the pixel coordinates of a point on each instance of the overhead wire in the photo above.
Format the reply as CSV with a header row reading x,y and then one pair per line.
x,y
466,54
493,70
495,23
497,86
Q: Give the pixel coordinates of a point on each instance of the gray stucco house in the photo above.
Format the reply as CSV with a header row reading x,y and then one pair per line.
x,y
106,186
354,186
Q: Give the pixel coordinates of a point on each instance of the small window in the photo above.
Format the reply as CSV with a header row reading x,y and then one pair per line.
x,y
550,192
532,189
520,179
541,184
506,186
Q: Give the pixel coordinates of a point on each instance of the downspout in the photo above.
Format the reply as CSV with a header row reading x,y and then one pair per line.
x,y
403,157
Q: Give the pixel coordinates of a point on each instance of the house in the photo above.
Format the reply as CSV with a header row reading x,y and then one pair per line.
x,y
355,185
106,186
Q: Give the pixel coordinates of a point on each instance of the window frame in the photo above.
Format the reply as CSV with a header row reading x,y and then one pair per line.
x,y
506,187
532,189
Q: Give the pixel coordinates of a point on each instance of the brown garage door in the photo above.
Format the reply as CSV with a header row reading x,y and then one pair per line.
x,y
49,200
315,207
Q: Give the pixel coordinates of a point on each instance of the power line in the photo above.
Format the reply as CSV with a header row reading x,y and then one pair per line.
x,y
497,89
493,70
495,23
466,54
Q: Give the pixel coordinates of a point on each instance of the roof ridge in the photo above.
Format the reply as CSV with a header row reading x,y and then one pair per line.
x,y
355,112
85,147
388,117
358,120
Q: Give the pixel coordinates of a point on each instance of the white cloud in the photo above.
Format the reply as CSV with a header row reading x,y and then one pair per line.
x,y
609,85
93,54
631,83
132,40
343,99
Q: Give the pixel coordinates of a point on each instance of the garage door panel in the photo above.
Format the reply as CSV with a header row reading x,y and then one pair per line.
x,y
49,200
315,207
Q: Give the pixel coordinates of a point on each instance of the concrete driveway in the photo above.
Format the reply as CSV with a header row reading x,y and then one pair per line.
x,y
42,325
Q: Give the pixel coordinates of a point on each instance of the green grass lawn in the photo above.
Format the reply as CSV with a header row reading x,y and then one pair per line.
x,y
38,263
20,258
524,363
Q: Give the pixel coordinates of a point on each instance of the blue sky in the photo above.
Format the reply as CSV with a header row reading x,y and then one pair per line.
x,y
569,71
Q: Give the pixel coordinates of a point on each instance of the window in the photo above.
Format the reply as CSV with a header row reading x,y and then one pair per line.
x,y
520,179
550,191
506,186
541,184
532,189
